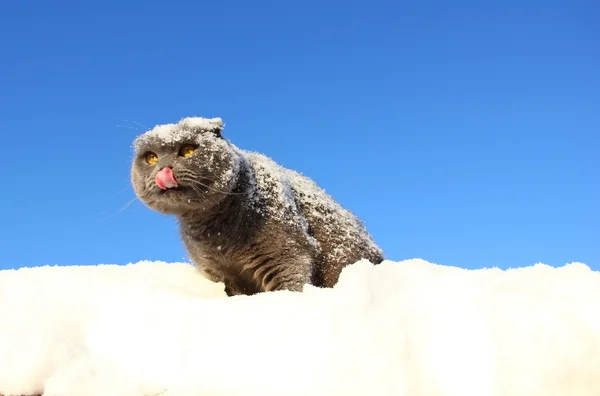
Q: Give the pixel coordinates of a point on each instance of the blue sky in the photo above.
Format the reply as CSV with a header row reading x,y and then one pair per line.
x,y
465,133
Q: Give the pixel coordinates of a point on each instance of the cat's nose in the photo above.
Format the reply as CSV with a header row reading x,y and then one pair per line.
x,y
165,178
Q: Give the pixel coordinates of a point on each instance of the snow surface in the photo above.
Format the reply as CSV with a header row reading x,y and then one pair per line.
x,y
400,328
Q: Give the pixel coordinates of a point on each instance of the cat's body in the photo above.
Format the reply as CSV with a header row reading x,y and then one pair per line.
x,y
245,220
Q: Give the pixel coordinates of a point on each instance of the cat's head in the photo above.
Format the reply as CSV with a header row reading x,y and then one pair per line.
x,y
185,166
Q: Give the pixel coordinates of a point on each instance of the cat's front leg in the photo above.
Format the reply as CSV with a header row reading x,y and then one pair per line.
x,y
211,273
290,276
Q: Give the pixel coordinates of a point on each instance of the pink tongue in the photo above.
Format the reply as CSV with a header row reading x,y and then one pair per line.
x,y
165,179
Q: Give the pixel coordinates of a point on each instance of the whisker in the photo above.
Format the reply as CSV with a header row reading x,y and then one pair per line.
x,y
194,184
217,190
130,127
122,209
209,187
119,192
137,123
128,204
193,175
202,197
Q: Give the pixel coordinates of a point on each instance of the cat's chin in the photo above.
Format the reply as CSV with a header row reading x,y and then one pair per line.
x,y
174,191
177,201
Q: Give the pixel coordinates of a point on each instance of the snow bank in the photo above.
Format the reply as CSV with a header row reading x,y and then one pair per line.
x,y
406,328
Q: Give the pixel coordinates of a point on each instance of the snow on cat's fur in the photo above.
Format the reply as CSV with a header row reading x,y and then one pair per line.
x,y
407,328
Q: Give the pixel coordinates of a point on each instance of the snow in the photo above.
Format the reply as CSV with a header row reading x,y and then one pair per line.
x,y
185,128
399,328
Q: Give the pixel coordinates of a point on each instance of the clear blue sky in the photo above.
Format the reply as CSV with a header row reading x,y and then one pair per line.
x,y
462,132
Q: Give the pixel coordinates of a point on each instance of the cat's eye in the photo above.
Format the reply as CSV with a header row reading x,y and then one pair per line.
x,y
151,158
187,150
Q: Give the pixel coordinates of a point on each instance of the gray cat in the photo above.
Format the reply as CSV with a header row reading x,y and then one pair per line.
x,y
245,220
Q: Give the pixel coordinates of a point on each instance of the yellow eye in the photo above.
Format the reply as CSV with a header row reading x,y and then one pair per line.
x,y
187,150
151,158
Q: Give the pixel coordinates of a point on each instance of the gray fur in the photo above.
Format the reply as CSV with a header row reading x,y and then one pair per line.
x,y
246,221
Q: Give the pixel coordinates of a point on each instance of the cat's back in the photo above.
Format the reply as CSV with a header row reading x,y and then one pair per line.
x,y
342,237
292,188
341,234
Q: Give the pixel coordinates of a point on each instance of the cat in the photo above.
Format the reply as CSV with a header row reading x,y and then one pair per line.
x,y
245,221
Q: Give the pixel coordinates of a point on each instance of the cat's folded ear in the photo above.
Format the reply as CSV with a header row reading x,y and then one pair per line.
x,y
215,126
217,131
